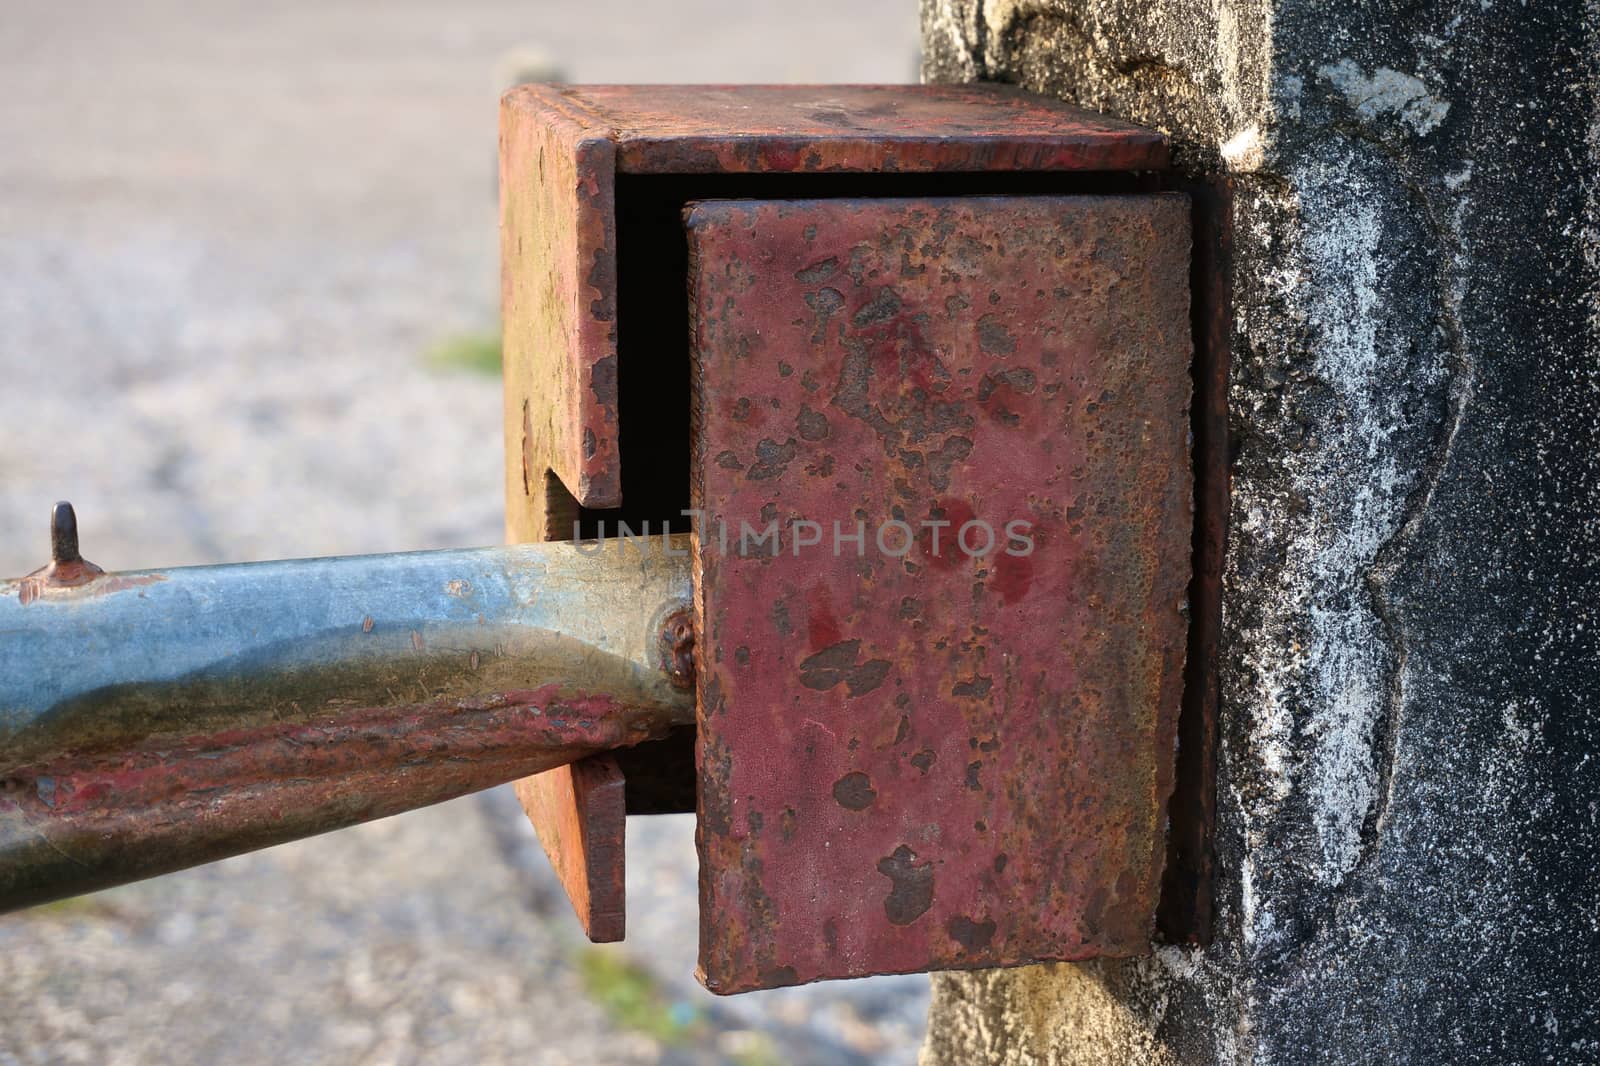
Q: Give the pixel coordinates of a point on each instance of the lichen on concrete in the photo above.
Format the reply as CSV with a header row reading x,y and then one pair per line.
x,y
1410,743
1386,91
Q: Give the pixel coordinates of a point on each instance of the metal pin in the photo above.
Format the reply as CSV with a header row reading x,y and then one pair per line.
x,y
67,568
64,534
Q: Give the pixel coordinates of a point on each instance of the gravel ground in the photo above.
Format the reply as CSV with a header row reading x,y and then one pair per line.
x,y
228,234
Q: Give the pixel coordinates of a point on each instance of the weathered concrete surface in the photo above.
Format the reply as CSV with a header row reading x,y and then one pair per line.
x,y
1411,746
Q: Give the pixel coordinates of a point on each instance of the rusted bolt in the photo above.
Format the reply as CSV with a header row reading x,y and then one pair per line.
x,y
676,642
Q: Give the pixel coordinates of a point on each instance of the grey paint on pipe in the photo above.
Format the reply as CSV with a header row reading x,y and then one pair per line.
x,y
154,720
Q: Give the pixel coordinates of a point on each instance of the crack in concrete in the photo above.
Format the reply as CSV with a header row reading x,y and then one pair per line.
x,y
1458,390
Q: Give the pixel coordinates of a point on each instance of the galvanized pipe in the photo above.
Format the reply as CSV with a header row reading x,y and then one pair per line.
x,y
155,720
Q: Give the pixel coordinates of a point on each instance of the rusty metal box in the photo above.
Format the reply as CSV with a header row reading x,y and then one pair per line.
x,y
914,366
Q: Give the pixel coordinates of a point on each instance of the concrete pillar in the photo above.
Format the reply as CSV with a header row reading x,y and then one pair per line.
x,y
1409,805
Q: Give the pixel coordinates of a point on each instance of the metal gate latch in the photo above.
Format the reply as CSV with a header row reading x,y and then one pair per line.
x,y
851,504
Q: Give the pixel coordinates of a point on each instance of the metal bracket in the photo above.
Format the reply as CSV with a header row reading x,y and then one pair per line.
x,y
597,261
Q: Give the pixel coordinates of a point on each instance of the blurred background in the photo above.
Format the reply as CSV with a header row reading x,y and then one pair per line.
x,y
248,309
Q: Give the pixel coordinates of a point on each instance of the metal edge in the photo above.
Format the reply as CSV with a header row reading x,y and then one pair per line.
x,y
1186,912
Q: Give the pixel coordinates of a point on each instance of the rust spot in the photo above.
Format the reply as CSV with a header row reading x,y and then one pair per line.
x,y
912,891
778,976
527,445
824,305
829,666
924,759
772,459
1019,379
818,272
943,460
675,648
975,689
837,663
813,425
603,381
882,307
971,935
867,677
854,791
994,337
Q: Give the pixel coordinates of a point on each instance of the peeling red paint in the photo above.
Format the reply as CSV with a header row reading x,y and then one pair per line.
x,y
100,818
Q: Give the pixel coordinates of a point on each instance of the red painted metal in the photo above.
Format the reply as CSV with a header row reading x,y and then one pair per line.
x,y
958,756
85,820
778,129
558,297
580,811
